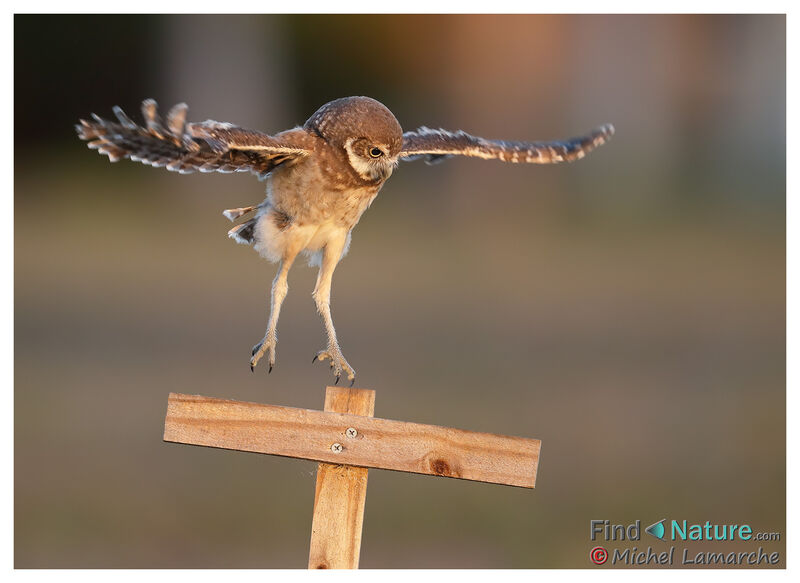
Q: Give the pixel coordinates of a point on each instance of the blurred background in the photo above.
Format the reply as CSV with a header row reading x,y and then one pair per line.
x,y
628,310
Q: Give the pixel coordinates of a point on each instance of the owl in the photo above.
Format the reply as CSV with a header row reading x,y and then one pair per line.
x,y
320,178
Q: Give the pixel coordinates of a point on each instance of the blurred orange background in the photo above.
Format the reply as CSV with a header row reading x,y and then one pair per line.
x,y
627,310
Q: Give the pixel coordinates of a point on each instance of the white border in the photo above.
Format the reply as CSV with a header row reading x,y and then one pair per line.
x,y
497,6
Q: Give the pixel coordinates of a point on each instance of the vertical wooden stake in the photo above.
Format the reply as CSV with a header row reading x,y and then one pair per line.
x,y
341,492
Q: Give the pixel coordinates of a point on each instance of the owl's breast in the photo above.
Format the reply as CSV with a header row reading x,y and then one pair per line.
x,y
320,191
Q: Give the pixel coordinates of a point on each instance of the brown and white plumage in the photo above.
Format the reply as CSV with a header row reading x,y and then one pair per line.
x,y
436,144
209,146
321,177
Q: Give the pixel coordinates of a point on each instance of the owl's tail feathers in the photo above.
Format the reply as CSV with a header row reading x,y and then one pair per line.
x,y
233,214
158,143
243,233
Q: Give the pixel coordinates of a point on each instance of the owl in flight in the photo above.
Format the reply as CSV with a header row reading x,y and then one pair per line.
x,y
320,178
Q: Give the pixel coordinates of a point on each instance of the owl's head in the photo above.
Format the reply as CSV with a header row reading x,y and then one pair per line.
x,y
365,129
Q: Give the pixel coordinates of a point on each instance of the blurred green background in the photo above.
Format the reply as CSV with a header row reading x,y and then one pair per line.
x,y
627,310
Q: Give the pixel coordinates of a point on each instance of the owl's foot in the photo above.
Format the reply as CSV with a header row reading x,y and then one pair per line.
x,y
266,345
338,363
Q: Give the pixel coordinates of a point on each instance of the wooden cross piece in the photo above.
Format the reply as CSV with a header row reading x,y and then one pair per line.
x,y
346,439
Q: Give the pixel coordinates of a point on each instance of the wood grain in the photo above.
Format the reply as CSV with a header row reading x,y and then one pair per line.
x,y
340,494
381,443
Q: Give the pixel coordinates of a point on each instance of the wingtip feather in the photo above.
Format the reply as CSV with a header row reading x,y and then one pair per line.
x,y
606,130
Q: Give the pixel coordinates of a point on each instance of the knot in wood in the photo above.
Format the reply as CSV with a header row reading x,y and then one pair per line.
x,y
440,467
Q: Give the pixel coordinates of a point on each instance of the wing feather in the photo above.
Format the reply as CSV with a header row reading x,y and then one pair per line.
x,y
435,145
209,146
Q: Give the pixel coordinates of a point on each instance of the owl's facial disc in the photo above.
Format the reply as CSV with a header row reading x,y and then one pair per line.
x,y
370,160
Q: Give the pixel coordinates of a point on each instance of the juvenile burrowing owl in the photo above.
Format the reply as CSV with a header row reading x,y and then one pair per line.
x,y
320,179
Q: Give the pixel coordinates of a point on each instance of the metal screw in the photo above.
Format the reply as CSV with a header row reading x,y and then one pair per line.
x,y
337,448
351,432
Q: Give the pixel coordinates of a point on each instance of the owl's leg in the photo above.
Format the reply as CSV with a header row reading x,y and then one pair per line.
x,y
322,297
280,287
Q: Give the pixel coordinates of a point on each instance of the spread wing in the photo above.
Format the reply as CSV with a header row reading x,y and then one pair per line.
x,y
435,145
209,146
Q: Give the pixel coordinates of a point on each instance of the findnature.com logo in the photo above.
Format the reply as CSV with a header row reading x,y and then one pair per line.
x,y
679,531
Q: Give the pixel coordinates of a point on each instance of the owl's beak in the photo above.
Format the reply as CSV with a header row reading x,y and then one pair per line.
x,y
383,169
386,171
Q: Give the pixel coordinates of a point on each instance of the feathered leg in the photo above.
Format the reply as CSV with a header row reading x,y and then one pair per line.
x,y
280,287
322,297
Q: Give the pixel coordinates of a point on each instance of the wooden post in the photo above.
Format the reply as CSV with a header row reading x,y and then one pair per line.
x,y
341,491
347,439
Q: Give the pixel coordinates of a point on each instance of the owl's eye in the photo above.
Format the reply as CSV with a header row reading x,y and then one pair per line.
x,y
375,152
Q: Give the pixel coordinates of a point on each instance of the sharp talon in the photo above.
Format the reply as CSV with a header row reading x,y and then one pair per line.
x,y
353,381
337,381
313,360
252,369
270,369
